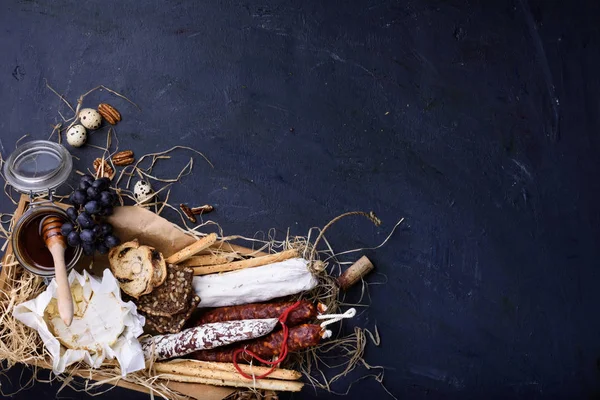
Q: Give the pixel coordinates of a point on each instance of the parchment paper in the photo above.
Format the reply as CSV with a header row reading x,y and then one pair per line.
x,y
131,222
126,349
150,229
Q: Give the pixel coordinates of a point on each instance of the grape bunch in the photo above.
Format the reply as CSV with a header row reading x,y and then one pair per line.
x,y
92,201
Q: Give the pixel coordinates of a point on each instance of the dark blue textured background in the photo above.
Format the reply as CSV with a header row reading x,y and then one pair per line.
x,y
476,121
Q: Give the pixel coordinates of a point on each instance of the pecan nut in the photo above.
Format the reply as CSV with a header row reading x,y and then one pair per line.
x,y
109,113
103,169
123,158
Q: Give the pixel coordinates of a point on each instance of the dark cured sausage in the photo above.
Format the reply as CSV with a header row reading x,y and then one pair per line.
x,y
305,312
300,337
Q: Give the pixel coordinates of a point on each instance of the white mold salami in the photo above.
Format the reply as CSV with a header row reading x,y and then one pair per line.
x,y
205,337
254,285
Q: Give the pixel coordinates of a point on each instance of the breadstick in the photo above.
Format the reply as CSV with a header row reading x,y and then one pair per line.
x,y
215,370
192,249
249,263
210,259
270,384
234,248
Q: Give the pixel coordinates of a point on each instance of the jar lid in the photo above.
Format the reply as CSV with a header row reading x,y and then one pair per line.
x,y
38,166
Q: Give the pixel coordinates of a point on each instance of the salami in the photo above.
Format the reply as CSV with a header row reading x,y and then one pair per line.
x,y
255,284
207,336
305,312
300,337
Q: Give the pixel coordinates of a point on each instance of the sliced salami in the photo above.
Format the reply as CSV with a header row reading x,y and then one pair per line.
x,y
205,337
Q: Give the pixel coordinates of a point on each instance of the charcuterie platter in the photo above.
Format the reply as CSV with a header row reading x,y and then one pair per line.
x,y
175,309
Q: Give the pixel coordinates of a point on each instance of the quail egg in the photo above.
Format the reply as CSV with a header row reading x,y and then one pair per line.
x,y
142,191
76,136
90,118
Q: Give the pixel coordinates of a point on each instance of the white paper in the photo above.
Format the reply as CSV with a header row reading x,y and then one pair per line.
x,y
127,349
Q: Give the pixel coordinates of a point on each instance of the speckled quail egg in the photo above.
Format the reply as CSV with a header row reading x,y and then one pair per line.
x,y
90,118
142,191
76,136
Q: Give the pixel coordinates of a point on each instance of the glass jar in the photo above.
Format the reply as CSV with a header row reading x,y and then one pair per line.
x,y
37,168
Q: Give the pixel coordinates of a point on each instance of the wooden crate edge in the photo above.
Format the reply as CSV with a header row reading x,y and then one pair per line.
x,y
189,390
23,201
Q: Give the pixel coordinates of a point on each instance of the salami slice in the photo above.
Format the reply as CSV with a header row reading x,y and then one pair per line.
x,y
300,337
304,312
207,336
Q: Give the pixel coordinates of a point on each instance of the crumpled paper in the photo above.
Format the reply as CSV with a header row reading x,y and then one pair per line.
x,y
127,349
132,222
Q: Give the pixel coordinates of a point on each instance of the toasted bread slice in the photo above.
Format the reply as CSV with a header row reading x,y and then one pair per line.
x,y
172,297
160,268
174,323
132,265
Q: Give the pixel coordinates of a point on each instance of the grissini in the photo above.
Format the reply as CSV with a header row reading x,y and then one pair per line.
x,y
206,369
269,384
249,263
192,249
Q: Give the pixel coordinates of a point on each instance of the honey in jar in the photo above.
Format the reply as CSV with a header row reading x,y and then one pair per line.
x,y
34,250
38,168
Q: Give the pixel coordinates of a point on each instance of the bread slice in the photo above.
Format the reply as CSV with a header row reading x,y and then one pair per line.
x,y
174,323
160,268
172,297
132,265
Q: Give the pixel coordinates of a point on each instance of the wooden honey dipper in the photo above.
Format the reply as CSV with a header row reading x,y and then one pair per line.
x,y
56,243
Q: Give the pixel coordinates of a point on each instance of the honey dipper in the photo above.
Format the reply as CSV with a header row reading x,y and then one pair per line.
x,y
56,243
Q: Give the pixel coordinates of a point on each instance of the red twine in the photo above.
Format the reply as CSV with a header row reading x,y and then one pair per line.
x,y
284,348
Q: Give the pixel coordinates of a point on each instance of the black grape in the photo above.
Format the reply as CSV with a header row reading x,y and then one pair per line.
x,y
84,185
88,248
105,229
101,184
66,228
78,197
106,199
111,241
97,229
85,220
87,236
87,179
92,193
72,213
92,207
73,239
101,248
